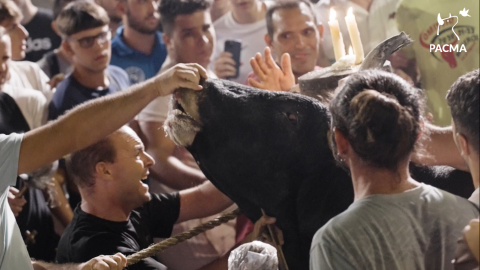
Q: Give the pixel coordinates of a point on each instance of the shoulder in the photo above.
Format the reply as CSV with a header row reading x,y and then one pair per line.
x,y
7,141
117,73
166,205
30,96
45,13
453,203
220,24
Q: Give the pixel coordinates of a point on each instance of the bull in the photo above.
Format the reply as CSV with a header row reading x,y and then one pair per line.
x,y
269,150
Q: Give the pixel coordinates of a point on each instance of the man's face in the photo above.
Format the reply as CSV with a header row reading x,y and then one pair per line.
x,y
18,35
143,15
91,49
295,33
192,39
130,169
5,56
111,7
243,5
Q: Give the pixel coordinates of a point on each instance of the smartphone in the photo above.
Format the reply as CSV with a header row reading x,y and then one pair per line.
x,y
234,47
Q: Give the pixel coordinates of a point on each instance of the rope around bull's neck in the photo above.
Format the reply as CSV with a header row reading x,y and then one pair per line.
x,y
172,241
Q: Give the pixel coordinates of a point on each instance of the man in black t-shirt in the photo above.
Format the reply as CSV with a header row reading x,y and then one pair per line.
x,y
117,212
38,22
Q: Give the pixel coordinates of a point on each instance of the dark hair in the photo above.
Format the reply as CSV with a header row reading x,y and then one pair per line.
x,y
380,114
9,11
58,6
463,99
79,16
170,9
81,164
291,4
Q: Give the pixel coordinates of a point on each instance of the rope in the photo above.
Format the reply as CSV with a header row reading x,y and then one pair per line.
x,y
172,241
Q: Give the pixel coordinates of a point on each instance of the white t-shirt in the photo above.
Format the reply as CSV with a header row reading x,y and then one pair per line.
x,y
252,38
157,110
32,104
475,198
374,26
29,75
13,253
417,229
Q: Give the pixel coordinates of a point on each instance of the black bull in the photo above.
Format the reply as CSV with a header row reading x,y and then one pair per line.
x,y
269,150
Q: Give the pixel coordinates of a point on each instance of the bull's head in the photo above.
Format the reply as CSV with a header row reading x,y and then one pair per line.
x,y
264,150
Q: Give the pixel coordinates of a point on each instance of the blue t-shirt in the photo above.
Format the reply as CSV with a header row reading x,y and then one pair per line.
x,y
139,66
13,253
71,93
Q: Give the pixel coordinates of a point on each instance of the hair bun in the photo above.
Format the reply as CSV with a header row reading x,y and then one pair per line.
x,y
380,122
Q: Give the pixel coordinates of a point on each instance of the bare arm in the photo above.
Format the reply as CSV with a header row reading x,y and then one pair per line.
x,y
202,201
113,262
90,122
168,169
440,149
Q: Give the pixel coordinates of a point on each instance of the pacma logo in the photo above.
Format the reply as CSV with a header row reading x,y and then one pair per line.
x,y
451,41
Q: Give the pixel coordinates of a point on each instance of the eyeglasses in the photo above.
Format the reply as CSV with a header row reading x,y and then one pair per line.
x,y
87,42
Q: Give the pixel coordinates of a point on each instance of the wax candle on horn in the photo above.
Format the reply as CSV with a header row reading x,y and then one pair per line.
x,y
337,39
354,36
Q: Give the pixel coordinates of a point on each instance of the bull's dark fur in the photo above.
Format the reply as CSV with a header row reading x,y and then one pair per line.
x,y
254,150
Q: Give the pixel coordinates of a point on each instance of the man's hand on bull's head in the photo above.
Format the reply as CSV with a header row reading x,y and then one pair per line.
x,y
180,76
271,76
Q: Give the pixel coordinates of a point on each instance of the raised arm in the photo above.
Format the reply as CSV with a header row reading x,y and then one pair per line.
x,y
91,121
440,149
202,201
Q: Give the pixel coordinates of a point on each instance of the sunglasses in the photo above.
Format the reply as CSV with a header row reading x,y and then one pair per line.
x,y
87,42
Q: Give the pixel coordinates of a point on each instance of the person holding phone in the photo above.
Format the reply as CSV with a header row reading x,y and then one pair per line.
x,y
246,23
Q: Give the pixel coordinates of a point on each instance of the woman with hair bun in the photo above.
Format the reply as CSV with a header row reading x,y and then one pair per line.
x,y
395,222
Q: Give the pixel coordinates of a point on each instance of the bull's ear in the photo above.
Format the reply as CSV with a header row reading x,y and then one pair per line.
x,y
440,20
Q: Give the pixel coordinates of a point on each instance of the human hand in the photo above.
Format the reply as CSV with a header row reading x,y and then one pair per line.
x,y
399,59
180,76
471,234
224,66
16,204
261,231
112,262
271,76
56,80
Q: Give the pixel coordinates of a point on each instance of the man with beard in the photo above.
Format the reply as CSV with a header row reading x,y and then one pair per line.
x,y
293,38
115,17
138,47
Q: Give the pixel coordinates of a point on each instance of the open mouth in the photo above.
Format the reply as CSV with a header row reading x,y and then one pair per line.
x,y
178,110
180,126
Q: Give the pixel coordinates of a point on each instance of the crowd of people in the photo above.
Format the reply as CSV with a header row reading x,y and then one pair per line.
x,y
85,90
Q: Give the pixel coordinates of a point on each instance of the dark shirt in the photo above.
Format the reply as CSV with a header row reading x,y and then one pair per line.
x,y
42,38
88,236
71,93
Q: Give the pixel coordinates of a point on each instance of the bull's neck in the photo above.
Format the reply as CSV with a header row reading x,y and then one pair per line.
x,y
368,180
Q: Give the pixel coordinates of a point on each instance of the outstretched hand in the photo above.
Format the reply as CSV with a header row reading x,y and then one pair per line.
x,y
271,76
180,76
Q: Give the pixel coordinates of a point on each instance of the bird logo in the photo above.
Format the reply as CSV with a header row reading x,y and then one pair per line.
x,y
464,12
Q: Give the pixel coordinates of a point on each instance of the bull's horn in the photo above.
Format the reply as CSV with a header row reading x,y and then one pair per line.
x,y
377,57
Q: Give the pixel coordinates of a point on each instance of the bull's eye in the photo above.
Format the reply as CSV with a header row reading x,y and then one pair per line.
x,y
292,117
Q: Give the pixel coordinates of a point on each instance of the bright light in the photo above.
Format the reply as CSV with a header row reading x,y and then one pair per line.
x,y
333,14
